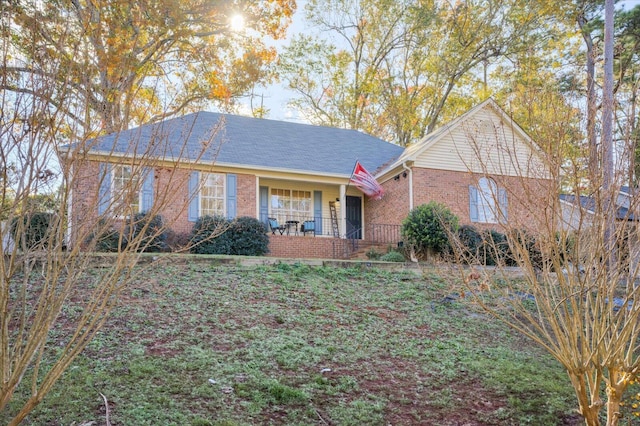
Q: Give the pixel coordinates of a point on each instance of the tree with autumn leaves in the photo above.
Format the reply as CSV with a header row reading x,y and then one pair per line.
x,y
396,69
71,70
127,63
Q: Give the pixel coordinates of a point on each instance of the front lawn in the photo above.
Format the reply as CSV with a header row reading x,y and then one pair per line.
x,y
201,344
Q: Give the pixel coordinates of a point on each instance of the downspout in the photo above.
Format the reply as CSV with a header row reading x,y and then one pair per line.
x,y
70,208
404,166
343,211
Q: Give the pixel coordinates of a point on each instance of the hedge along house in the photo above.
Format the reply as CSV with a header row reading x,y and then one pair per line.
x,y
297,174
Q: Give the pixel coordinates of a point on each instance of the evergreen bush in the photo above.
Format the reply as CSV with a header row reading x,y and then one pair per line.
x,y
151,229
210,236
247,237
392,256
32,230
428,227
106,240
495,249
471,242
372,254
492,248
528,242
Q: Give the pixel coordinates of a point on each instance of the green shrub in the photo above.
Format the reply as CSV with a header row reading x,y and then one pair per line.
x,y
495,249
247,237
106,239
148,231
392,256
427,228
177,241
530,245
470,241
209,236
567,245
32,230
244,236
372,254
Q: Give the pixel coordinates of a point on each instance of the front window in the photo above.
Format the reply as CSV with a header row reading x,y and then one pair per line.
x,y
126,186
288,204
212,195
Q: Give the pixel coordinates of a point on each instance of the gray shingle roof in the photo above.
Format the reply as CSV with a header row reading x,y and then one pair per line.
x,y
589,204
254,142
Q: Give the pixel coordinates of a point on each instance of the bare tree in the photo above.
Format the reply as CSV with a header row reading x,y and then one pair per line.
x,y
42,266
575,299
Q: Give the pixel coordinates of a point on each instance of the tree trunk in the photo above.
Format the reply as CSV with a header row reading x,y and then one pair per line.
x,y
589,410
614,397
594,162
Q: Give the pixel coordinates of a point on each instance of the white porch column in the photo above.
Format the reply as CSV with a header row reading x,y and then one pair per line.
x,y
343,211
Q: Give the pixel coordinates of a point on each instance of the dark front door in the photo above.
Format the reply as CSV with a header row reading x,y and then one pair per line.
x,y
353,212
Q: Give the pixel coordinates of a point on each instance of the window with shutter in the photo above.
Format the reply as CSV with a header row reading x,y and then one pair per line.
x,y
211,194
125,190
487,202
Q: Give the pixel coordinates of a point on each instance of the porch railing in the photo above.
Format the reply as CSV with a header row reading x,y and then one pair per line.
x,y
375,233
381,233
322,225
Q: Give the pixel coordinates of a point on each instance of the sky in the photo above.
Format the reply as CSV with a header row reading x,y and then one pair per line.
x,y
276,96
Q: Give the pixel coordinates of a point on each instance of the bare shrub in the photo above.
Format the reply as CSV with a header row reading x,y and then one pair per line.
x,y
579,295
39,276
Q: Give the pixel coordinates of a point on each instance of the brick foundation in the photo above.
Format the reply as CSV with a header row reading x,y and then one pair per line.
x,y
305,247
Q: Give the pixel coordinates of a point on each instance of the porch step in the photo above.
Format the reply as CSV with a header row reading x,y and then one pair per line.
x,y
365,246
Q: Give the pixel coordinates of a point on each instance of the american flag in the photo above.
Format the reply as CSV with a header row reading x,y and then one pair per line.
x,y
364,181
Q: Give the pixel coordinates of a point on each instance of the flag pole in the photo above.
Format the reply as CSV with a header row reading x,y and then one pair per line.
x,y
350,176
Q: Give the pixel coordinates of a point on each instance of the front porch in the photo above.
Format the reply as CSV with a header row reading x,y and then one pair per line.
x,y
318,219
324,245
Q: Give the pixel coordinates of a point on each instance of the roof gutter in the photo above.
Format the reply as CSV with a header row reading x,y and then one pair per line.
x,y
410,170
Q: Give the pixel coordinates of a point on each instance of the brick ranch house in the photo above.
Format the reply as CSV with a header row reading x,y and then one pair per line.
x,y
479,165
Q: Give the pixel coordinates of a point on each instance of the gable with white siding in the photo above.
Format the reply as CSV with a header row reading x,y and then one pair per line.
x,y
484,140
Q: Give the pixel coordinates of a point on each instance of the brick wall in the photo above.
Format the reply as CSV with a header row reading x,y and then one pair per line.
x,y
246,191
394,205
305,247
171,197
528,199
84,196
